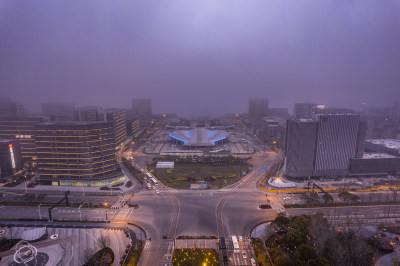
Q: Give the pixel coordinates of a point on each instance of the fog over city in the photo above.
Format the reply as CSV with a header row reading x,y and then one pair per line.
x,y
200,57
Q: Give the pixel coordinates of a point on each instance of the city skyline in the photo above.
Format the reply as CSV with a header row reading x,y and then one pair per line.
x,y
200,58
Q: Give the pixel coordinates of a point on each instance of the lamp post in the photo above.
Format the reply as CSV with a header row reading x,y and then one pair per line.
x,y
80,214
79,209
106,204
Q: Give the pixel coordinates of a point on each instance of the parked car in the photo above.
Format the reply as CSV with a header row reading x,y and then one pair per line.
x,y
244,255
253,262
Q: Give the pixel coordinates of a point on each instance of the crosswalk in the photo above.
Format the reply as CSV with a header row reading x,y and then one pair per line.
x,y
123,213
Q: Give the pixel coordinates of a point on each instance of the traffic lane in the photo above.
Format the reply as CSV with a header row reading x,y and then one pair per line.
x,y
155,211
346,210
241,212
65,213
197,214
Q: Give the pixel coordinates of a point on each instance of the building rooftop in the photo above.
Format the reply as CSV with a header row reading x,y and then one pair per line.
x,y
377,156
199,136
5,140
74,123
388,143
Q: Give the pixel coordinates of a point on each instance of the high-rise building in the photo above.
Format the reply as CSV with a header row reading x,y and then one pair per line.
x,y
274,130
300,147
87,113
22,129
59,111
10,157
142,111
76,153
118,117
336,144
258,108
8,108
323,146
142,107
135,127
306,110
278,112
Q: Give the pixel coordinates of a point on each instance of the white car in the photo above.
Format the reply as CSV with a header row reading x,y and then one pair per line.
x,y
157,191
253,262
286,198
244,255
240,238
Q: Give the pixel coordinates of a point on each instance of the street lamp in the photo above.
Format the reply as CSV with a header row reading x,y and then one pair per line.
x,y
106,204
79,209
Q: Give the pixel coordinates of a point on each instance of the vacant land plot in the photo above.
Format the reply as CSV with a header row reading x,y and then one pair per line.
x,y
217,176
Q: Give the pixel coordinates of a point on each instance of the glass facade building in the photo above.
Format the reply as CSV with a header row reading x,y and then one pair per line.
x,y
75,151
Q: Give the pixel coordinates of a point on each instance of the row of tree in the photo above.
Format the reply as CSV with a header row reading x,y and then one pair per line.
x,y
309,240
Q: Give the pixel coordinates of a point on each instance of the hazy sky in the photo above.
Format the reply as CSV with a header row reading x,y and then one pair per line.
x,y
200,57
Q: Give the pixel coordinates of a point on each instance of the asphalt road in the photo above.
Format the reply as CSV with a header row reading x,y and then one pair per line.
x,y
230,211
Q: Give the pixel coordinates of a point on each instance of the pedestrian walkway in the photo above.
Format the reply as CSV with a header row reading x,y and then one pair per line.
x,y
198,243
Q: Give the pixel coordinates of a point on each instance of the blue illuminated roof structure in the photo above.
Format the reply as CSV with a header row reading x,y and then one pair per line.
x,y
199,136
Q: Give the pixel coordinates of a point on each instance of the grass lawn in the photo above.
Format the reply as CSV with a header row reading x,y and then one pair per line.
x,y
195,257
217,176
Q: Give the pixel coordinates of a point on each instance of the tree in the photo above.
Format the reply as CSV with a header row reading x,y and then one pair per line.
x,y
345,195
103,241
128,184
394,194
354,198
306,255
87,255
328,199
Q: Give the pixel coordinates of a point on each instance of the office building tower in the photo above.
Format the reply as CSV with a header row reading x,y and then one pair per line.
x,y
87,113
274,130
141,110
10,158
135,127
306,110
300,147
323,146
336,144
118,117
76,153
8,108
142,107
22,129
258,108
59,111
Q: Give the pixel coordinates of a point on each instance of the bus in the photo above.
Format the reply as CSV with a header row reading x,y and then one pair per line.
x,y
148,175
235,244
154,181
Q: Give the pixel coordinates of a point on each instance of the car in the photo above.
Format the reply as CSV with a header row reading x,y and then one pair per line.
x,y
154,187
244,255
157,191
253,262
240,238
286,198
